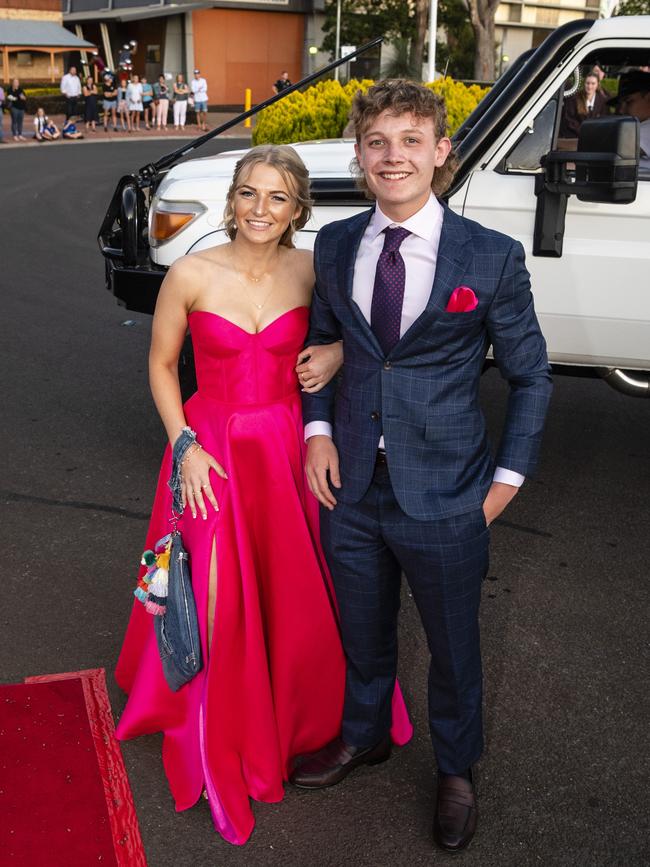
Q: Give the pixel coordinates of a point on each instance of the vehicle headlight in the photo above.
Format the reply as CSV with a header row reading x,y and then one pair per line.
x,y
170,218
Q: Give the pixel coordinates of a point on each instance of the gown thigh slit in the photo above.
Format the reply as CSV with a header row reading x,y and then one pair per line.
x,y
273,674
212,593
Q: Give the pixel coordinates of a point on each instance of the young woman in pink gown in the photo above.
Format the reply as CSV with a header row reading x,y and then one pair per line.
x,y
272,682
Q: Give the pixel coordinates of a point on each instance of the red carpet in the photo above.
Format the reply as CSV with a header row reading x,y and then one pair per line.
x,y
65,799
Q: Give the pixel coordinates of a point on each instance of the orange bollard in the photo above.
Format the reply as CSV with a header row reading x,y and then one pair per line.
x,y
248,97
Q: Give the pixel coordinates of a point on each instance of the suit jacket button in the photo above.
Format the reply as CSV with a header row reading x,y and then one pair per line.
x,y
387,365
374,415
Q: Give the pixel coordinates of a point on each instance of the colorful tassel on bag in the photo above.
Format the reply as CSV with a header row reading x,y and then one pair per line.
x,y
152,586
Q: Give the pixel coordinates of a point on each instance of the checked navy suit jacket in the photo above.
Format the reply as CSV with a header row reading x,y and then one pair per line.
x,y
423,396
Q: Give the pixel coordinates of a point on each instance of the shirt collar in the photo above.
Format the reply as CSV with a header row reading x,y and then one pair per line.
x,y
425,223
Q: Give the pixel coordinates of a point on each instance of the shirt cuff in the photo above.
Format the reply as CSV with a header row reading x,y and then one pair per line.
x,y
318,428
508,477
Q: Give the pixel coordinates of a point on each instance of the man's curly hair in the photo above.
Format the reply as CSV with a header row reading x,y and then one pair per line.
x,y
399,96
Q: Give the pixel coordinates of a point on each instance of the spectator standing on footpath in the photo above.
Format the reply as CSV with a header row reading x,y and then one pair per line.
x,y
71,89
17,104
122,105
161,91
110,102
282,83
90,103
134,101
181,95
147,102
199,88
2,105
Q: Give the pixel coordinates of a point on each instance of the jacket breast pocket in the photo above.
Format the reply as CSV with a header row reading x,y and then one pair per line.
x,y
469,319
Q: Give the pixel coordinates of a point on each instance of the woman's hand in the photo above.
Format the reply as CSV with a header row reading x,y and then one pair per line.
x,y
318,364
195,477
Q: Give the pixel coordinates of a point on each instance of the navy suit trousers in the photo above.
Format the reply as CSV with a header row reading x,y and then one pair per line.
x,y
368,545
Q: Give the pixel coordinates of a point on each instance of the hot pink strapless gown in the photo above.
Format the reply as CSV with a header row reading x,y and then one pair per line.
x,y
272,682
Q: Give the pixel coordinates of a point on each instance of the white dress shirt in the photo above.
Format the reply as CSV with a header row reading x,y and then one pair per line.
x,y
70,85
199,88
420,252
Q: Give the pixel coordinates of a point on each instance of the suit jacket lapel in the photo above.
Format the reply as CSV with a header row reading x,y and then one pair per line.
x,y
450,266
356,228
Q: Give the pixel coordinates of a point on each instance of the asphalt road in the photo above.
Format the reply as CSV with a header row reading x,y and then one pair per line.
x,y
564,779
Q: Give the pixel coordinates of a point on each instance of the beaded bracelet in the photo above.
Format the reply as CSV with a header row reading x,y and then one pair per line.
x,y
193,449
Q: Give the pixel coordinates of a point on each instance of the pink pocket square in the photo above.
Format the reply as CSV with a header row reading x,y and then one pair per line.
x,y
462,300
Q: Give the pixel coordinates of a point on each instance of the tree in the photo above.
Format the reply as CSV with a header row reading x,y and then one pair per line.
x,y
634,7
405,24
421,29
456,54
363,20
481,14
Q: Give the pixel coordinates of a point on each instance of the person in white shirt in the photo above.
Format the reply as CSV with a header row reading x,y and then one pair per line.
x,y
71,89
397,450
134,101
199,88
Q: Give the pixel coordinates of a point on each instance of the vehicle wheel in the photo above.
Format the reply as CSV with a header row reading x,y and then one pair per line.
x,y
186,371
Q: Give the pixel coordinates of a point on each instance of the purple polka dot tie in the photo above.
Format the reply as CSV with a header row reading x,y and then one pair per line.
x,y
388,292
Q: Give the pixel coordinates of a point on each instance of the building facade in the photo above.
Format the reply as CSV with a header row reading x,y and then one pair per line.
x,y
33,42
236,45
521,24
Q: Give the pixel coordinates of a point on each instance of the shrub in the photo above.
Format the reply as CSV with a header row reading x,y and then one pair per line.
x,y
322,111
460,99
38,91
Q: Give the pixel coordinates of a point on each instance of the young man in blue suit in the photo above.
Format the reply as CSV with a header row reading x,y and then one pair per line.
x,y
398,453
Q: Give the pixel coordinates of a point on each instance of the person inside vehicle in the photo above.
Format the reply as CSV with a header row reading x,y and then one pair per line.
x,y
633,98
588,102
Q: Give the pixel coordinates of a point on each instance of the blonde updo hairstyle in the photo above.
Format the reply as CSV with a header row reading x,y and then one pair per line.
x,y
294,173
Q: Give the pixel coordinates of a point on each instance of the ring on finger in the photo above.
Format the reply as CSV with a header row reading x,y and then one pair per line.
x,y
207,485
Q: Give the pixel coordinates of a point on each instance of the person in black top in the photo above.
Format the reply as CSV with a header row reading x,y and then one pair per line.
x,y
17,102
110,101
282,83
91,115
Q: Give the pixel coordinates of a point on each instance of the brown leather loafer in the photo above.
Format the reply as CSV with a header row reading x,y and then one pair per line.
x,y
334,762
456,814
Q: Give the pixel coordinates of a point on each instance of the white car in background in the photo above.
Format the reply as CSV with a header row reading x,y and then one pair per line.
x,y
580,208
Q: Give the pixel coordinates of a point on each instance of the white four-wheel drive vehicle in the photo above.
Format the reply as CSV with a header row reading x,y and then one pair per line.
x,y
581,207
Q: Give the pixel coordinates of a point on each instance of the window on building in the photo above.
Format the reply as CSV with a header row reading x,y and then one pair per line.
x,y
153,54
547,16
24,58
514,12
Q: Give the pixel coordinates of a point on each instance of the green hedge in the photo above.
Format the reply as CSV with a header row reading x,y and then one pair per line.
x,y
322,111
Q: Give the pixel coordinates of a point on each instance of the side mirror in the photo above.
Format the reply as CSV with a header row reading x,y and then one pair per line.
x,y
604,168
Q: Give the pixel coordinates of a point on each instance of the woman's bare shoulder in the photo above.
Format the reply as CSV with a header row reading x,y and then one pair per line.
x,y
301,261
200,264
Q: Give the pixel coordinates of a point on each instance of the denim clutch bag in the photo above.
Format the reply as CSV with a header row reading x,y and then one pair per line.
x,y
177,628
